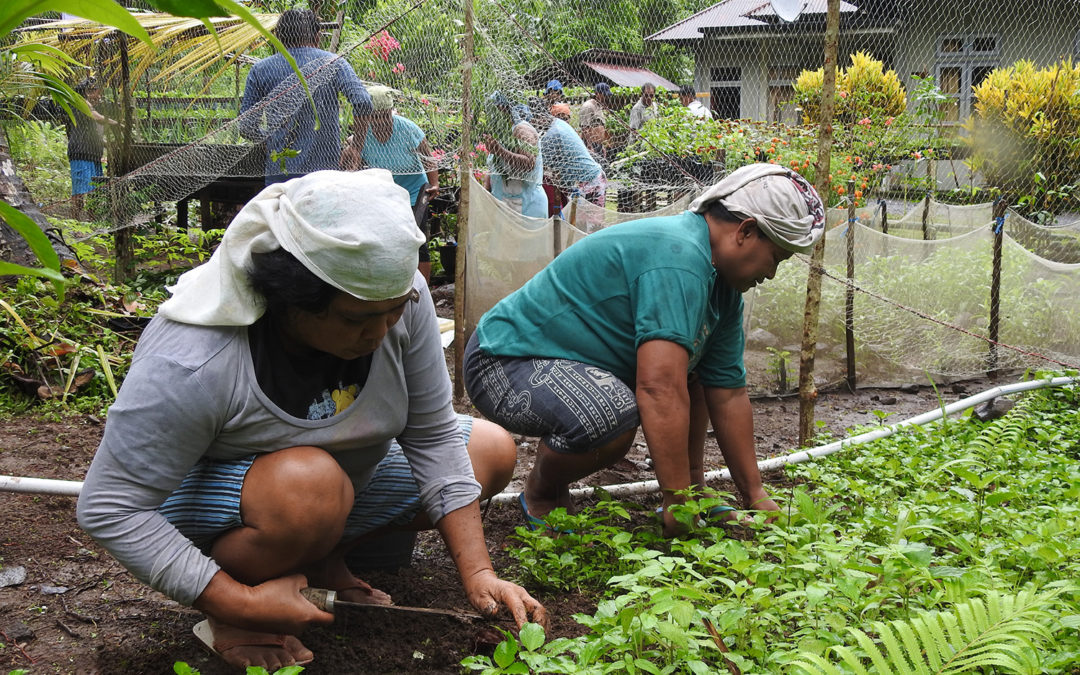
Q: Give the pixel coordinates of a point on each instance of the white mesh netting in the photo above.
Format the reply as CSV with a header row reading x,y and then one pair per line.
x,y
925,83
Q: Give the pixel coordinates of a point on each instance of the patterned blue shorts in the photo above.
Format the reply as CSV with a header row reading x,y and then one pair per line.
x,y
572,406
83,173
207,503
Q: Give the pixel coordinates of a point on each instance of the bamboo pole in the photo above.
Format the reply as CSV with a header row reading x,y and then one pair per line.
x,y
995,285
807,390
467,64
849,295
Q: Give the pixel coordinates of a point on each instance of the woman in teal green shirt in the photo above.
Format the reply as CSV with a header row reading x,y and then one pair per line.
x,y
641,323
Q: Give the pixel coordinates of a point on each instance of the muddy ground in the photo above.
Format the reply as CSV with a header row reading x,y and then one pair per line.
x,y
78,611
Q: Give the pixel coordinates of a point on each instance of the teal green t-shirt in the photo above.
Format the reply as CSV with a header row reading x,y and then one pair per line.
x,y
602,298
399,155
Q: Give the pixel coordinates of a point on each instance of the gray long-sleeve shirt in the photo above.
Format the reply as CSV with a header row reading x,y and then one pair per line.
x,y
191,392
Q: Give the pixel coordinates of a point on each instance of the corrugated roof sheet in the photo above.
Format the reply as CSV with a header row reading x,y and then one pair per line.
x,y
626,76
735,14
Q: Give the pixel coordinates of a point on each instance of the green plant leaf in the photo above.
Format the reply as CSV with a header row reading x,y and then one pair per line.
x,y
532,636
13,12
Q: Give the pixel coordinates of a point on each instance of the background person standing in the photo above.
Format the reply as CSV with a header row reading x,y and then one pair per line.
x,y
85,145
317,149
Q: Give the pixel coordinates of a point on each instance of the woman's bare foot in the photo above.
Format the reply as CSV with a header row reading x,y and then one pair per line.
x,y
242,648
335,575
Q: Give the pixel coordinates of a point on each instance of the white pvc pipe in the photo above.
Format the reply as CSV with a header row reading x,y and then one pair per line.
x,y
42,486
806,455
71,487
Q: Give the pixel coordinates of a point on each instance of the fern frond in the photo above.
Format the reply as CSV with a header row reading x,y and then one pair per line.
x,y
998,631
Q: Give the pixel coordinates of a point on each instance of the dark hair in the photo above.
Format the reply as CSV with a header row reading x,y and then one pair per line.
x,y
285,283
298,28
649,86
89,84
720,212
687,90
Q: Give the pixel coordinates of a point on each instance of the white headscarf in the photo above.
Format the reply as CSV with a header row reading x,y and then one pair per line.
x,y
784,205
353,230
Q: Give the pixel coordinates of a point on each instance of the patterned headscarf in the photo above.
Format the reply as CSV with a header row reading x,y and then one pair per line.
x,y
784,205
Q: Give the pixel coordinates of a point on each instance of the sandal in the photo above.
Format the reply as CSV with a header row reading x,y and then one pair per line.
x,y
243,638
534,523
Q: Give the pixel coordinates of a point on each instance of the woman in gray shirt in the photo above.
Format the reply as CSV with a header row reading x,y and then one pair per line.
x,y
289,401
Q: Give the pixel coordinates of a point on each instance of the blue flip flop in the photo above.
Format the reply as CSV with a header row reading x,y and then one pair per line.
x,y
531,521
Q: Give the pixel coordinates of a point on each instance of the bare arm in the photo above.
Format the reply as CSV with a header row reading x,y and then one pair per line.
x,y
520,163
464,537
664,406
733,420
430,166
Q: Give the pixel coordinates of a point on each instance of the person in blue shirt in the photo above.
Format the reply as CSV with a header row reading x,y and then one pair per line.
x,y
570,165
276,109
640,324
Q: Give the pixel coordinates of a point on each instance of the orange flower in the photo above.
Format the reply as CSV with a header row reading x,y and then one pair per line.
x,y
858,194
840,189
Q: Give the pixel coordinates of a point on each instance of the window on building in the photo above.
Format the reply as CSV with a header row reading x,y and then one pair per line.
x,y
781,95
725,93
962,63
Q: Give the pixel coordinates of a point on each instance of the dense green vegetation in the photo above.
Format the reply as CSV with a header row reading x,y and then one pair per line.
x,y
955,545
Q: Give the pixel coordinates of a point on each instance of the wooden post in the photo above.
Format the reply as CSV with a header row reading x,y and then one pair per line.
x,y
339,20
926,204
556,236
884,217
995,285
123,242
463,204
811,314
849,296
573,215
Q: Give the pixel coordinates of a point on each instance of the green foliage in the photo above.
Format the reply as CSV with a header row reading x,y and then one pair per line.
x,y
1024,133
1003,632
863,90
39,150
930,533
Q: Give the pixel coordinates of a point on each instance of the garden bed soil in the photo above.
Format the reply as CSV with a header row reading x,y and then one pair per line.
x,y
78,611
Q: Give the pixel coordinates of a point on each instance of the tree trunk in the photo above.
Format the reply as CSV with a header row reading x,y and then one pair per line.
x,y
13,248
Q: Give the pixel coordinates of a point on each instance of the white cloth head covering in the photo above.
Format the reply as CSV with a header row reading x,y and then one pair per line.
x,y
382,97
353,229
784,205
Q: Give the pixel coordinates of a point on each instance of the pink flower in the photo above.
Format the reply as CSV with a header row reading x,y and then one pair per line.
x,y
438,154
480,147
398,68
865,121
425,101
917,154
889,121
843,94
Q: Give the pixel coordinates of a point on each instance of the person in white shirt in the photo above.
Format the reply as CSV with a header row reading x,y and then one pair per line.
x,y
688,97
645,109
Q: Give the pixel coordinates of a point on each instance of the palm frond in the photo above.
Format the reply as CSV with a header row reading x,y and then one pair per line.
x,y
179,46
1002,632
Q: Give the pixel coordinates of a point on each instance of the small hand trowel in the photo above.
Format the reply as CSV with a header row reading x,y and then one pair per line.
x,y
327,601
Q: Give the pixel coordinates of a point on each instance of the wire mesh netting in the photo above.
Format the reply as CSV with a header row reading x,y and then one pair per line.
x,y
575,111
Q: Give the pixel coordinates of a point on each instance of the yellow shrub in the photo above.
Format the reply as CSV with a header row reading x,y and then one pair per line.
x,y
864,89
1024,130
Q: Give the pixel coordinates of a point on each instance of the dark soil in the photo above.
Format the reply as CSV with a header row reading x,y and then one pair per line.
x,y
78,611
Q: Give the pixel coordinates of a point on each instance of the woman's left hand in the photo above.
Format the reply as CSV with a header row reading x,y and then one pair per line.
x,y
487,592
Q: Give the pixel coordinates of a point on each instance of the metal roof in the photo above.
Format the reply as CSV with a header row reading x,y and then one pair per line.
x,y
627,76
736,14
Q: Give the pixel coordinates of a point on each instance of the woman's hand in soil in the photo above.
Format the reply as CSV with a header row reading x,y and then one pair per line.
x,y
274,606
487,592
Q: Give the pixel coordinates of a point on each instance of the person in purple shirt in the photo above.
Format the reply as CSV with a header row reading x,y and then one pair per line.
x,y
276,110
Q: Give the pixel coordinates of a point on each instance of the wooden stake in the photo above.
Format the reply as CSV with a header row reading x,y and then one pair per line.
x,y
995,285
463,203
811,314
849,295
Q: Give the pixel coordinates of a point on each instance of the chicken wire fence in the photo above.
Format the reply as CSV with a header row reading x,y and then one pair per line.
x,y
941,107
